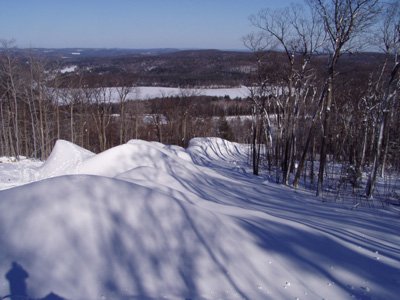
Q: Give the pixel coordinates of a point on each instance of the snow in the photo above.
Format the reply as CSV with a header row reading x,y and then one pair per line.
x,y
65,159
148,93
69,69
147,221
14,173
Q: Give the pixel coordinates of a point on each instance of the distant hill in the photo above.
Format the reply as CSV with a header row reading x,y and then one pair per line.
x,y
73,53
170,67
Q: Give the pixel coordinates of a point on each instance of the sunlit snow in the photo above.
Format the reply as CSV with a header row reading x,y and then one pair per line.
x,y
149,221
68,69
153,92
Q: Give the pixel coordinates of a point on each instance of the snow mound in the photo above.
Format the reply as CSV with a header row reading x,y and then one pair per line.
x,y
68,158
216,148
101,238
154,178
132,155
178,151
160,221
65,158
219,152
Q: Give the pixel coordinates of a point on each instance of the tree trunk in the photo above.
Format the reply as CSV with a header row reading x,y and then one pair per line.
x,y
16,115
4,145
41,125
385,106
72,122
385,155
325,133
309,137
372,178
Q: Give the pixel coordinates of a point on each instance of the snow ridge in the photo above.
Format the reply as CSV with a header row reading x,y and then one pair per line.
x,y
147,221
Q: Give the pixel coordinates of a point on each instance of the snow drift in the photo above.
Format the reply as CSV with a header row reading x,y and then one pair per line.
x,y
65,158
147,221
86,237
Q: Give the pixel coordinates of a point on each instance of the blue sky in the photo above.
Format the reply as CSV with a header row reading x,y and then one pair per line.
x,y
216,24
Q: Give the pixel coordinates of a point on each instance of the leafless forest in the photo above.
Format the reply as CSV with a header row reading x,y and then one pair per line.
x,y
323,110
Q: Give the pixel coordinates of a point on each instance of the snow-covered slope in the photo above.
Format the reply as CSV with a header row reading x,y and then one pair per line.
x,y
148,221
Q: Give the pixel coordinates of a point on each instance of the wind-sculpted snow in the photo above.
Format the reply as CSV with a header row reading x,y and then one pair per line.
x,y
129,156
216,149
155,221
65,159
84,237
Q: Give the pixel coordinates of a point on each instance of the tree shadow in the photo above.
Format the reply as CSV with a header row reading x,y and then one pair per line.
x,y
328,256
16,278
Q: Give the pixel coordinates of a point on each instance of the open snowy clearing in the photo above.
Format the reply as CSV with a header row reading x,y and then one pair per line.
x,y
145,93
152,92
147,221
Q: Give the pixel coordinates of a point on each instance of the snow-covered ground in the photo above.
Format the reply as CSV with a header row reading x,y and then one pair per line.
x,y
148,93
68,69
150,221
154,92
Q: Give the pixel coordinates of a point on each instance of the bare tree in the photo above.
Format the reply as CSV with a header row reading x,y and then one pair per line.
x,y
259,93
390,38
277,24
299,34
123,93
10,74
100,100
39,96
344,21
71,97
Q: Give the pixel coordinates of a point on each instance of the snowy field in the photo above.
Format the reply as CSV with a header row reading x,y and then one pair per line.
x,y
154,92
148,93
150,221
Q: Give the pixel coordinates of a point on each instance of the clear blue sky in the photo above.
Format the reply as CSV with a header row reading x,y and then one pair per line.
x,y
216,24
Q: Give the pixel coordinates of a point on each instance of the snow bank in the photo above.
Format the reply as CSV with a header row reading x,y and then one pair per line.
x,y
219,153
217,149
65,158
96,238
160,221
132,155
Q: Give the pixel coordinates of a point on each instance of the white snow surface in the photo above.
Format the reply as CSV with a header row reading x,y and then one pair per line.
x,y
150,221
68,69
151,92
14,173
65,159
